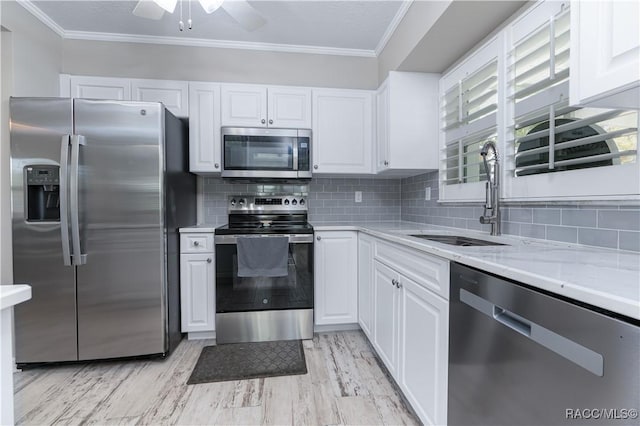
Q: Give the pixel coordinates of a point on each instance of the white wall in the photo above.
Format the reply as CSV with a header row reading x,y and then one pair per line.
x,y
37,52
6,275
115,59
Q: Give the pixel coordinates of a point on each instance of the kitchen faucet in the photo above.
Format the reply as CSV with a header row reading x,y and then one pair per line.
x,y
492,197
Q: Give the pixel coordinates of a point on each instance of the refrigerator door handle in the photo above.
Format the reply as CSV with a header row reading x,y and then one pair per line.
x,y
78,257
64,192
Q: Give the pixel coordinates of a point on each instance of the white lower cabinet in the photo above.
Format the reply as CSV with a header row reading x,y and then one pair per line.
x,y
197,294
336,277
424,337
386,317
411,330
365,284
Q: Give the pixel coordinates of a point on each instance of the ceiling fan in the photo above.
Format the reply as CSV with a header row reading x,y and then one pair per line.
x,y
240,10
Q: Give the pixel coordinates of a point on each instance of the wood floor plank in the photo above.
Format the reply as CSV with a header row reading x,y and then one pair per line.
x,y
358,410
344,385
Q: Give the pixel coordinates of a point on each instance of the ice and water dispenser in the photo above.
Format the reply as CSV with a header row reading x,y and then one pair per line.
x,y
43,193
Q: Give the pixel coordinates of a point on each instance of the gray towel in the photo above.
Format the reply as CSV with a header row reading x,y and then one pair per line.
x,y
263,256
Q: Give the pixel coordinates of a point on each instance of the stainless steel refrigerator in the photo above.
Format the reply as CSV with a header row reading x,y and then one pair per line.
x,y
99,190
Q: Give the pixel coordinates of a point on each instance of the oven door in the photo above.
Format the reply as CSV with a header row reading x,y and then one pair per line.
x,y
247,294
260,153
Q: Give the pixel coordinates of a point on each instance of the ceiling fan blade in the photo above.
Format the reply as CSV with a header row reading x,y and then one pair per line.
x,y
148,9
249,18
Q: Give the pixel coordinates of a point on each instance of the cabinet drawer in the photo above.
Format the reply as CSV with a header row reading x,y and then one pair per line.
x,y
196,243
429,271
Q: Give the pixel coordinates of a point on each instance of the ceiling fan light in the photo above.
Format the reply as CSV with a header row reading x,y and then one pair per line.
x,y
211,6
168,5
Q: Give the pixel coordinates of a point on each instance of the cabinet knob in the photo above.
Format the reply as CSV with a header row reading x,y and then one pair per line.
x,y
263,121
398,284
318,238
393,282
208,260
270,121
315,167
216,165
386,163
195,243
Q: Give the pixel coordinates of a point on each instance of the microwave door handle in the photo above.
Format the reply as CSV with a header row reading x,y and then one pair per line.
x,y
295,153
64,191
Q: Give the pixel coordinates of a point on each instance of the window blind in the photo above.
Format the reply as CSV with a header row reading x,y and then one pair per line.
x,y
463,161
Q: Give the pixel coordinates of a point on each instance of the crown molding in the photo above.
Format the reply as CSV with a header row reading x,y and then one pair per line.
x,y
404,7
42,17
223,44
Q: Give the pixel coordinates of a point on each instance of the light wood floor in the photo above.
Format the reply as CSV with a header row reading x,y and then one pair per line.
x,y
344,385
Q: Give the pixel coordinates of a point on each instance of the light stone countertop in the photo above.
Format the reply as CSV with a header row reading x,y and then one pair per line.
x,y
606,278
11,295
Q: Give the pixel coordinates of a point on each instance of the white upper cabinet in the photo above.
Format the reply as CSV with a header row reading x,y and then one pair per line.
x,y
98,88
258,106
407,112
289,107
244,105
173,94
605,53
204,128
336,277
342,131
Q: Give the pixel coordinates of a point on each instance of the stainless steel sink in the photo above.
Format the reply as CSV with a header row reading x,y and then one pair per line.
x,y
457,240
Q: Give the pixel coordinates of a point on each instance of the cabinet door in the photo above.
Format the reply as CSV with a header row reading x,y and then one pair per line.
x,y
342,131
173,94
244,105
365,284
204,128
101,88
424,342
289,107
197,292
605,53
385,314
336,277
382,136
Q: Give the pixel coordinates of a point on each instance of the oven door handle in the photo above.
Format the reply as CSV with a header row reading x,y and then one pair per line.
x,y
293,238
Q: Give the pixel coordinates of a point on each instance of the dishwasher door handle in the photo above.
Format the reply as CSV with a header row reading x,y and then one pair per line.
x,y
512,321
566,348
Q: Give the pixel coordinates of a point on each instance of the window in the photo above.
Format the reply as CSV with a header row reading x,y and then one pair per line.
x,y
554,149
469,117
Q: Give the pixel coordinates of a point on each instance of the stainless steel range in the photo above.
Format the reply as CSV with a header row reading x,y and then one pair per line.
x,y
264,270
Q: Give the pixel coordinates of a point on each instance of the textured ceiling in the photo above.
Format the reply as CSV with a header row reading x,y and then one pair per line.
x,y
336,24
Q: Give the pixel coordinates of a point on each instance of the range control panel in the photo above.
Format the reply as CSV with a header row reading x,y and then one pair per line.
x,y
272,203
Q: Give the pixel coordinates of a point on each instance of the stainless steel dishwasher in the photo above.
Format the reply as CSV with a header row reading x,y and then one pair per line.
x,y
518,356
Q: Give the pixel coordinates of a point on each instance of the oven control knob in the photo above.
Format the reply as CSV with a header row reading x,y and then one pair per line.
x,y
294,202
302,201
241,202
286,202
233,201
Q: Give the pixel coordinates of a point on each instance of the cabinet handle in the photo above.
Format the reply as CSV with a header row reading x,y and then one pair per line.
x,y
318,238
216,165
398,284
393,282
315,167
263,121
195,243
270,121
208,260
386,163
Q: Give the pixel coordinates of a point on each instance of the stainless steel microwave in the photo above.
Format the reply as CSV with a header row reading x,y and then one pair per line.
x,y
266,153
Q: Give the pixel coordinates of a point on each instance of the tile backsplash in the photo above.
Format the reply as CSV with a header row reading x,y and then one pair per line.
x,y
608,224
330,199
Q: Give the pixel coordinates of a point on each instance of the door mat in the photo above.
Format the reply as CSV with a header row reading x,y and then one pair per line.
x,y
241,361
